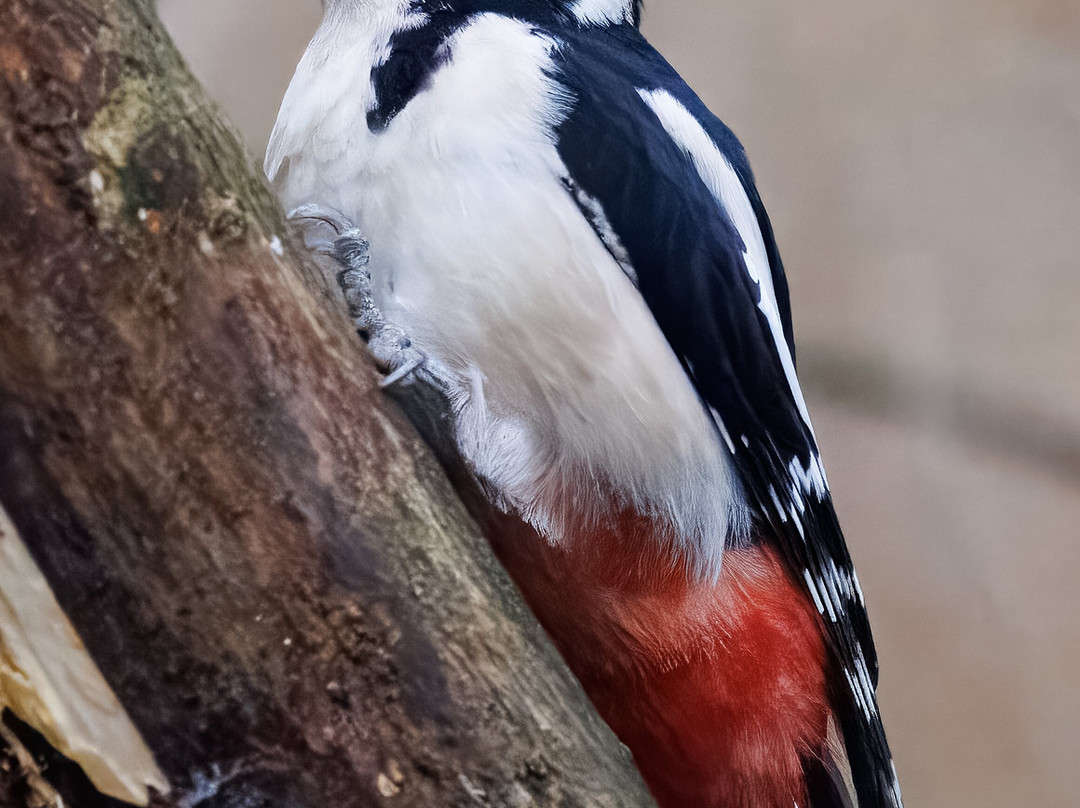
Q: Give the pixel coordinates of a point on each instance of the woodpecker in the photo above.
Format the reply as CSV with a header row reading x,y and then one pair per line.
x,y
575,248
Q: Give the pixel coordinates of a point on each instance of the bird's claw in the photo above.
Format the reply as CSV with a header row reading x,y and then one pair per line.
x,y
388,343
315,221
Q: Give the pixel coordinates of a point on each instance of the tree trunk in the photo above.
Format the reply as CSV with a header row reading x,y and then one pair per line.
x,y
265,562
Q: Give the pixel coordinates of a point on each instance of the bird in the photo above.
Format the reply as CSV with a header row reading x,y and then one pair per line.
x,y
565,240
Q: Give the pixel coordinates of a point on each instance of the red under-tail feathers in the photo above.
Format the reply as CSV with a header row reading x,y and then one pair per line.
x,y
719,689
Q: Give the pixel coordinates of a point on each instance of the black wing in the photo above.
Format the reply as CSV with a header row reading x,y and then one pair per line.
x,y
688,257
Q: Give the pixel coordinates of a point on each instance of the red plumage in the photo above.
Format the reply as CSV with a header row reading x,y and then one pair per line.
x,y
718,689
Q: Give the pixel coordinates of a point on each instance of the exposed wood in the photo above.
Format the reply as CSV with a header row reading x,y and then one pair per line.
x,y
261,556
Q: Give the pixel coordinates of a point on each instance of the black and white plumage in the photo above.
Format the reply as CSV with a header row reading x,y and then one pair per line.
x,y
576,244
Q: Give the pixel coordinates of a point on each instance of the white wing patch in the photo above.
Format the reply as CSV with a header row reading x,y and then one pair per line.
x,y
720,178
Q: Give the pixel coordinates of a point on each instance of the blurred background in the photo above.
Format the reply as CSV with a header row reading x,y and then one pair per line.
x,y
921,163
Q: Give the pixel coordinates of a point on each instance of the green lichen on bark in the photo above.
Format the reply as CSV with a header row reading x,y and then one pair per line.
x,y
158,146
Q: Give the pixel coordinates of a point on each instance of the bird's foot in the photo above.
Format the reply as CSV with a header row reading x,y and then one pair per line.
x,y
329,232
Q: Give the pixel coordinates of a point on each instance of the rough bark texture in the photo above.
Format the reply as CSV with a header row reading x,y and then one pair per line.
x,y
258,551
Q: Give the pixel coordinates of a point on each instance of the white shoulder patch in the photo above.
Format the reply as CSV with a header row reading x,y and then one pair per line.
x,y
720,178
603,12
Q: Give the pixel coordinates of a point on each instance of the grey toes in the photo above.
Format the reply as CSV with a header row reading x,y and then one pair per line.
x,y
394,350
322,227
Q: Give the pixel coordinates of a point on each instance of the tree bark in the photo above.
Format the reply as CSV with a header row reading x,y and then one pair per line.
x,y
265,562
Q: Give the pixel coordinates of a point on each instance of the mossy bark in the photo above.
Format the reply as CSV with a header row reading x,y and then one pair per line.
x,y
265,561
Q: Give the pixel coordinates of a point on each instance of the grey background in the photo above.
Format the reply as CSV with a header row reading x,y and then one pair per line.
x,y
921,162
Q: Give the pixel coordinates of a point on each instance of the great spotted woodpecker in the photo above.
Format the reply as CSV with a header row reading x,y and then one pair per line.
x,y
576,250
